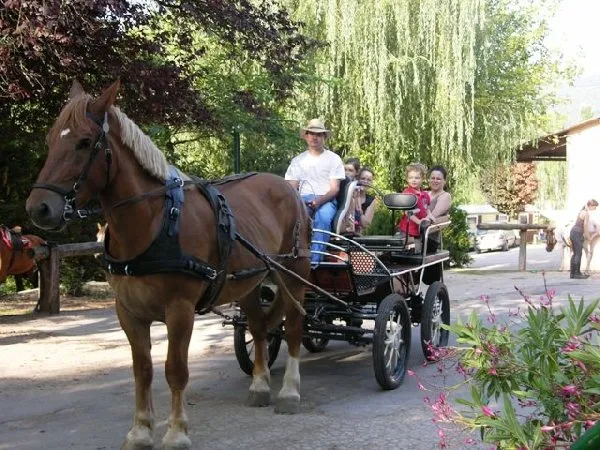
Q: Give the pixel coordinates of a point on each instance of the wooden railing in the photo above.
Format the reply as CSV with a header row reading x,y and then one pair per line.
x,y
48,260
523,228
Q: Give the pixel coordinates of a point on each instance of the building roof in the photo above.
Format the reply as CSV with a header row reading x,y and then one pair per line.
x,y
478,209
553,146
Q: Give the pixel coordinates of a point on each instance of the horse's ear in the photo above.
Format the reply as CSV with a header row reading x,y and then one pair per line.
x,y
100,105
76,89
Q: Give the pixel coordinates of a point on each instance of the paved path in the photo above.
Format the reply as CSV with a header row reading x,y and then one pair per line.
x,y
65,382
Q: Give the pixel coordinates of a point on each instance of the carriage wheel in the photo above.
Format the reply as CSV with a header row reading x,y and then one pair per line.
x,y
315,344
436,311
243,343
391,342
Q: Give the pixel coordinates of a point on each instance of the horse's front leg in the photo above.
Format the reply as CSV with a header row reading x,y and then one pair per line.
x,y
288,399
138,333
180,323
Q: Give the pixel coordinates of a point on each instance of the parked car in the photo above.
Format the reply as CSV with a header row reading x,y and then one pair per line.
x,y
494,240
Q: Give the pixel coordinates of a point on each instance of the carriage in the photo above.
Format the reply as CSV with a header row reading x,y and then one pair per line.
x,y
367,291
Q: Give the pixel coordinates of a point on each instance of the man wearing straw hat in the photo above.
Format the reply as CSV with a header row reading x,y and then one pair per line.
x,y
316,173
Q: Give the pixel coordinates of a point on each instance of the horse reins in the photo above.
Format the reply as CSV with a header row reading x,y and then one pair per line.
x,y
70,210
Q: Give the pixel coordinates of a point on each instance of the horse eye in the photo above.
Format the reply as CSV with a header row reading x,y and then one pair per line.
x,y
83,144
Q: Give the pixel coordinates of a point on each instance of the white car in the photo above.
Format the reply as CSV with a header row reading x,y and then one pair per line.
x,y
494,240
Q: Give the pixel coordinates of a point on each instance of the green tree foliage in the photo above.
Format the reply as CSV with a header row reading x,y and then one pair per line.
x,y
460,83
158,50
456,238
552,184
398,76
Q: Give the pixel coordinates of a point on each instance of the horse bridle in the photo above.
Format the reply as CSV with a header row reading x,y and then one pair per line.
x,y
70,210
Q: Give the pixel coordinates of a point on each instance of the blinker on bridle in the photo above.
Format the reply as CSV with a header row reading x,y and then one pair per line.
x,y
70,210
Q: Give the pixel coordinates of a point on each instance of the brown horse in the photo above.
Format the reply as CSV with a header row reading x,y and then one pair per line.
x,y
15,252
95,144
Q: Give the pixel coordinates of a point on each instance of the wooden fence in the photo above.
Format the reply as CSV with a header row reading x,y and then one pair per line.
x,y
48,260
522,234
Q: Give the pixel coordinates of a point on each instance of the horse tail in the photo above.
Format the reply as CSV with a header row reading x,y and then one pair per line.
x,y
283,296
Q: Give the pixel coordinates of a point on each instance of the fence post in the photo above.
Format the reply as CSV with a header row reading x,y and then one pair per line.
x,y
522,249
49,301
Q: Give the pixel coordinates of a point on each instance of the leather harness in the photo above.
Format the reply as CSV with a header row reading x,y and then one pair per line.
x,y
165,255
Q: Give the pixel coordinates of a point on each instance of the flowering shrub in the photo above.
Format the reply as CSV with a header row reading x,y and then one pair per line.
x,y
533,385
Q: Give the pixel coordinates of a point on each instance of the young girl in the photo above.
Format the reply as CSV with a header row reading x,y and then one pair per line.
x,y
415,173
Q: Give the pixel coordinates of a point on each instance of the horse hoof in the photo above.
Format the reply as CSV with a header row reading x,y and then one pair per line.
x,y
176,441
287,405
138,439
258,398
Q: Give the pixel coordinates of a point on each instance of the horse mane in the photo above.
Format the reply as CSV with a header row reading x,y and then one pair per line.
x,y
147,154
145,151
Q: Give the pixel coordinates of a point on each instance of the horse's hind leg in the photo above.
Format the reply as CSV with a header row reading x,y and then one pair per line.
x,y
260,389
138,333
288,399
180,324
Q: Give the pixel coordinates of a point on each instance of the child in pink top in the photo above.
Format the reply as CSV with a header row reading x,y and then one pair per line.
x,y
415,173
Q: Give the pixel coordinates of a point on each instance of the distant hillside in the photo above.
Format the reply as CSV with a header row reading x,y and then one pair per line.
x,y
584,93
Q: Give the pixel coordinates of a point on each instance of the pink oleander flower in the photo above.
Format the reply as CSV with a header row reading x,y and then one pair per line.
x,y
492,349
485,298
570,389
580,365
594,318
571,345
573,410
547,428
487,411
410,373
492,371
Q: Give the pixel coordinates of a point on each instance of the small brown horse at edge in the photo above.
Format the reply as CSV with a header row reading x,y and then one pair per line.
x,y
16,256
94,144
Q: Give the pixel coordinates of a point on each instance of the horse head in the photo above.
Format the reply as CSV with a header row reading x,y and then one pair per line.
x,y
72,173
550,239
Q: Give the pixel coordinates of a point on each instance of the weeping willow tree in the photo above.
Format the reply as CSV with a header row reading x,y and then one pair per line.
x,y
417,80
397,76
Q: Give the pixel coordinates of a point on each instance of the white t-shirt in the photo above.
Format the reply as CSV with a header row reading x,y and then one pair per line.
x,y
314,172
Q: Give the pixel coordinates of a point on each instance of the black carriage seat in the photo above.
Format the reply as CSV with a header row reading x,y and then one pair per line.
x,y
400,202
344,203
395,202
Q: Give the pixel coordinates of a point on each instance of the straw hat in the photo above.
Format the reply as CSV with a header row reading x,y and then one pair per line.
x,y
315,126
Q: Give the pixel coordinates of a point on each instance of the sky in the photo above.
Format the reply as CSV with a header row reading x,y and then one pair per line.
x,y
575,30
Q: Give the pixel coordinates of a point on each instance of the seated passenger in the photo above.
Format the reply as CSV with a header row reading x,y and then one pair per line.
x,y
410,223
316,173
364,204
439,206
352,168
